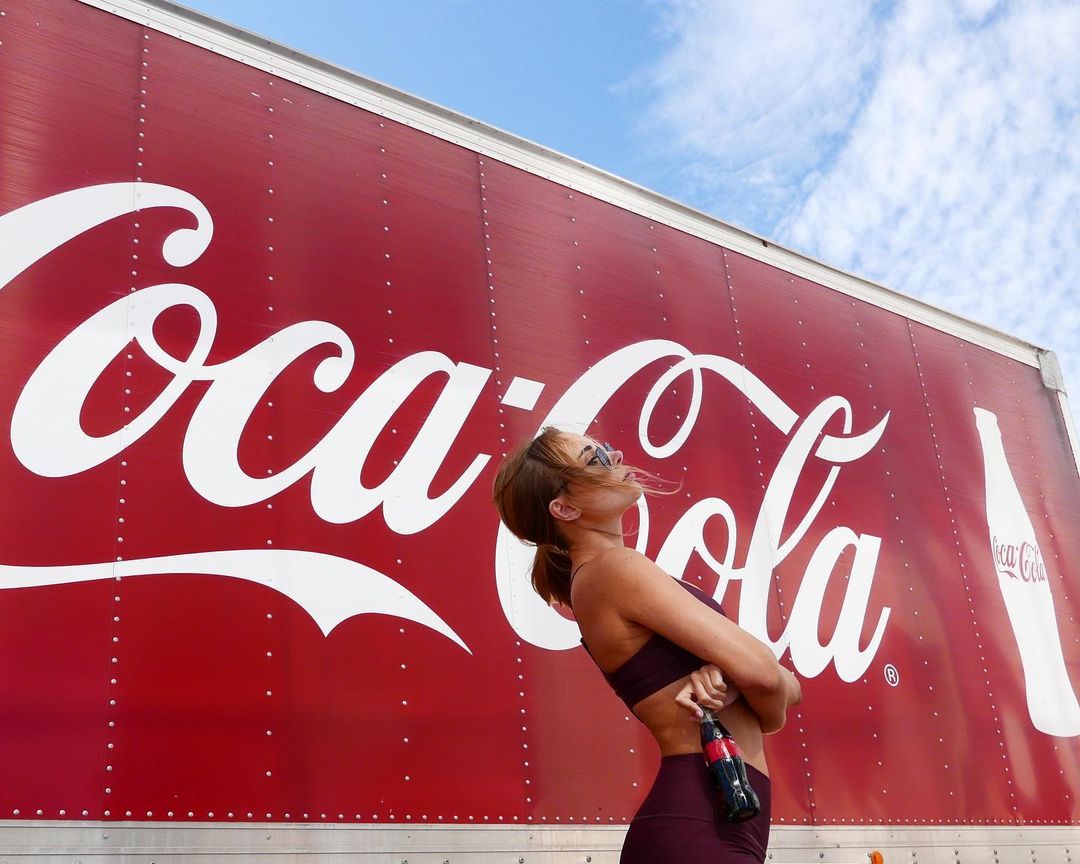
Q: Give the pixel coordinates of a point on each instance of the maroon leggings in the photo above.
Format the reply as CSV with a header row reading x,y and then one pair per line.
x,y
677,820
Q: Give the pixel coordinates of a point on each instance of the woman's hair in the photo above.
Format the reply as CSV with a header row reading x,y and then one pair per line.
x,y
533,475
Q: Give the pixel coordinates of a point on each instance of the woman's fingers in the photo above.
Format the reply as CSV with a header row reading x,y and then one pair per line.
x,y
705,688
685,699
732,694
727,693
715,676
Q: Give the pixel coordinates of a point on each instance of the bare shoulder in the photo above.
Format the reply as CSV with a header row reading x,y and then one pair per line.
x,y
631,586
617,574
602,594
614,566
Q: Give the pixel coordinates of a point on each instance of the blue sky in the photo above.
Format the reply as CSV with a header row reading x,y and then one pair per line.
x,y
930,145
554,73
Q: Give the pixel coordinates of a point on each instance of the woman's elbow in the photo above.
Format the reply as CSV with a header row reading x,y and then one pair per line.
x,y
766,679
766,691
773,723
790,693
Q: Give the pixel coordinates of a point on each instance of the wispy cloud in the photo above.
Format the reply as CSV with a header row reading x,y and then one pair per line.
x,y
932,146
761,96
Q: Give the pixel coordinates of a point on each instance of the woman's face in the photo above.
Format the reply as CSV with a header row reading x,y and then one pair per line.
x,y
607,500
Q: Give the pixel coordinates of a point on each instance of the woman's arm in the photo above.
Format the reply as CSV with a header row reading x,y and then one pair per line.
x,y
646,595
708,688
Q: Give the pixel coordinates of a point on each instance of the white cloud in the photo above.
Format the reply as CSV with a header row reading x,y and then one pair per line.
x,y
956,173
762,89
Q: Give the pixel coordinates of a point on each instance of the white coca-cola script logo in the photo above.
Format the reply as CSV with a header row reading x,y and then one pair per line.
x,y
48,439
1021,562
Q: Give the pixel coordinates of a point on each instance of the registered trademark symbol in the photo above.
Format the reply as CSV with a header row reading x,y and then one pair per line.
x,y
892,675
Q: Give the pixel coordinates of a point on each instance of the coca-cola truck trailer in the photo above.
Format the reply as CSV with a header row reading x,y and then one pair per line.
x,y
268,328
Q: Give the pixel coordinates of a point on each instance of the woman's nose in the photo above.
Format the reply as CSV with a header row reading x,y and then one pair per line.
x,y
616,457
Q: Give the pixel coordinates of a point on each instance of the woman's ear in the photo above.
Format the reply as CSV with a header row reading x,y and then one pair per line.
x,y
563,510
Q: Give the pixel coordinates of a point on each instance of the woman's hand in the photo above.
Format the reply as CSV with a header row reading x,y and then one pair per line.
x,y
706,687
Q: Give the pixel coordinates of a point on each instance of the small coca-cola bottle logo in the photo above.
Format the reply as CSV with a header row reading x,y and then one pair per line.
x,y
1021,562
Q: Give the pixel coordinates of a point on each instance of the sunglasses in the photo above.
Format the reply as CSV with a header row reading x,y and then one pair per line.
x,y
602,457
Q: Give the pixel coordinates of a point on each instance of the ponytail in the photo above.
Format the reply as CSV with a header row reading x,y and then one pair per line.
x,y
551,573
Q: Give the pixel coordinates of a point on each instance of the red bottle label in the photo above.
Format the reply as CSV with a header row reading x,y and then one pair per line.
x,y
721,748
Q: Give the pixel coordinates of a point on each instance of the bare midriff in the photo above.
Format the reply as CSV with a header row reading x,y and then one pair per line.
x,y
677,732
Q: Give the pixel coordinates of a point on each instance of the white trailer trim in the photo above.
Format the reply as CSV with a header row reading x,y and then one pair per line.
x,y
161,842
346,86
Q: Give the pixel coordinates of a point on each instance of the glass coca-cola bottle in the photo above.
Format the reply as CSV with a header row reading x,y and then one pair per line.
x,y
736,799
1022,578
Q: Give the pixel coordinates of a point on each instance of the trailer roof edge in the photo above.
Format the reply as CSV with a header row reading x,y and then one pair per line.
x,y
351,87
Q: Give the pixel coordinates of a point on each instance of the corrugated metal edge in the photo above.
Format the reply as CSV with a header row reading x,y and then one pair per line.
x,y
1052,379
1070,427
350,87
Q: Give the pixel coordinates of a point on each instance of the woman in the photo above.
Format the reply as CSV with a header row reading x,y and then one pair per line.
x,y
664,646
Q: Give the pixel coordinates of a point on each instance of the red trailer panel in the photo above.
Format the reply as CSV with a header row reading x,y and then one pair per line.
x,y
263,350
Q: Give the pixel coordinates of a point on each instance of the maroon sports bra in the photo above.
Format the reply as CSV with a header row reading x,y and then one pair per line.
x,y
655,664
